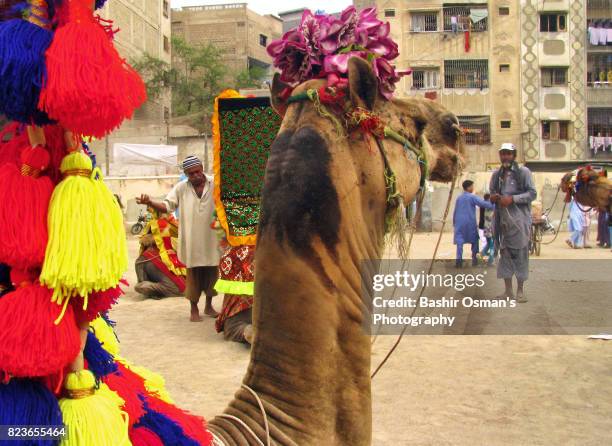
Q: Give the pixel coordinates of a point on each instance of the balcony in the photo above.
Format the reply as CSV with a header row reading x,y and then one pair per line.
x,y
599,95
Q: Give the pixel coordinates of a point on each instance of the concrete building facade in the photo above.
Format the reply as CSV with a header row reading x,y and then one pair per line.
x,y
241,34
464,55
144,28
520,71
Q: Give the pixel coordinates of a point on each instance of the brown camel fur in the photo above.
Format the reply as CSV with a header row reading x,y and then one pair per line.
x,y
323,211
596,191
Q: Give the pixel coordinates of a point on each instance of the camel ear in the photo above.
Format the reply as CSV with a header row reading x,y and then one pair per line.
x,y
278,97
363,85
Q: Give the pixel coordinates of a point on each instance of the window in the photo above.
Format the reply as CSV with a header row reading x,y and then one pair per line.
x,y
473,73
504,68
505,124
504,11
555,130
166,114
424,21
466,17
166,44
476,129
166,8
263,40
552,23
553,77
240,24
425,79
389,12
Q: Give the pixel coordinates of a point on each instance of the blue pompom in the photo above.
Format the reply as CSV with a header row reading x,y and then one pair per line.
x,y
27,402
22,70
99,361
167,430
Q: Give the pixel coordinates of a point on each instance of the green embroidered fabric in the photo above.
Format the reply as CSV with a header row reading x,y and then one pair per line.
x,y
248,127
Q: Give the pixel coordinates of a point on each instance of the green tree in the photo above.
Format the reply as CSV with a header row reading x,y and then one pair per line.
x,y
194,79
251,78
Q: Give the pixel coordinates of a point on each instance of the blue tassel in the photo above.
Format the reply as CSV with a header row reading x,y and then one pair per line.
x,y
29,402
22,70
99,361
167,430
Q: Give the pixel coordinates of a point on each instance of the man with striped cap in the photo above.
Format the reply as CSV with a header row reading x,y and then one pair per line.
x,y
197,244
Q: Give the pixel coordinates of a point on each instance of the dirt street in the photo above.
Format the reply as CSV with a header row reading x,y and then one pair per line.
x,y
435,390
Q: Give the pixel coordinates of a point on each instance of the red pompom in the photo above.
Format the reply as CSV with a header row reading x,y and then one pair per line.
x,y
141,436
130,387
56,145
13,139
97,302
24,203
36,158
90,89
30,342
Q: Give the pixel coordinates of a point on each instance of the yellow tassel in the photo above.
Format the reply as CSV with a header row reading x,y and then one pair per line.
x,y
154,383
105,335
92,417
87,248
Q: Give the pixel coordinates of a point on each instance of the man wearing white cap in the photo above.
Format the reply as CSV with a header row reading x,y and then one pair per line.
x,y
197,240
512,191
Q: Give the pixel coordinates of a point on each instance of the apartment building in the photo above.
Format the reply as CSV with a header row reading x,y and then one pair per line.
x,y
512,71
144,26
599,79
240,33
464,55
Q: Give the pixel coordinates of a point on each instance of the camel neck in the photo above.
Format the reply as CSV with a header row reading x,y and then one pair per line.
x,y
310,362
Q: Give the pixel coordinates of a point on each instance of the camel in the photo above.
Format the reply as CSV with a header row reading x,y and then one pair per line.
x,y
323,210
594,189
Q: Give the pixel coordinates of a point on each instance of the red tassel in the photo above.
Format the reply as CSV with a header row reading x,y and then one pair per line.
x,y
90,89
13,139
56,146
193,426
23,214
98,302
130,387
30,343
141,436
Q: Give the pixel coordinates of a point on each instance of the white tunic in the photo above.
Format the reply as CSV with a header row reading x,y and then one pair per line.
x,y
197,241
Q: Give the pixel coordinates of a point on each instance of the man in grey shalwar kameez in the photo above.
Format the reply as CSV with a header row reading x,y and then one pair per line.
x,y
512,190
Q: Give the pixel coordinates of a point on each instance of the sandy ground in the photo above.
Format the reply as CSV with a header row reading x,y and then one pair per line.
x,y
435,390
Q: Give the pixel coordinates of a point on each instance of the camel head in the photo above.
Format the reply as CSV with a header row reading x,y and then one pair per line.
x,y
589,187
341,147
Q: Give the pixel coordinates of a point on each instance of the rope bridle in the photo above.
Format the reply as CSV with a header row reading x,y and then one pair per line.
x,y
329,102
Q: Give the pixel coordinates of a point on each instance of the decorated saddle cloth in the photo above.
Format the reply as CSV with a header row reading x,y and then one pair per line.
x,y
164,231
243,131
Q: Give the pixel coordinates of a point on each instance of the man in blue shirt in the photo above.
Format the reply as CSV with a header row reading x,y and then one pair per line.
x,y
464,221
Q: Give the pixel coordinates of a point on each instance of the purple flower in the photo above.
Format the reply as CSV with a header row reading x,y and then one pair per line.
x,y
387,77
322,45
337,34
338,63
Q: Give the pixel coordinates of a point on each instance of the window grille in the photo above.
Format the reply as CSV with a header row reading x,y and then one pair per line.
x,y
599,121
554,77
424,21
476,129
425,79
467,73
457,18
553,23
555,130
